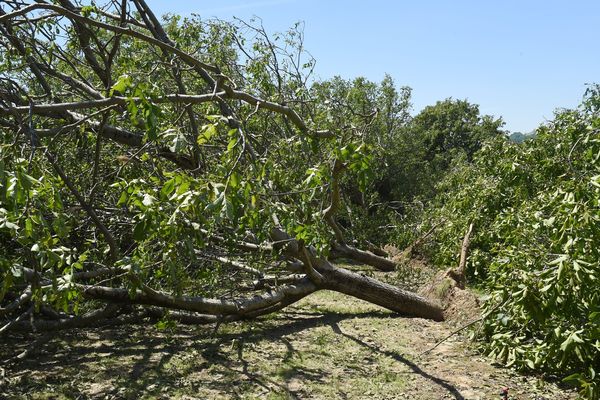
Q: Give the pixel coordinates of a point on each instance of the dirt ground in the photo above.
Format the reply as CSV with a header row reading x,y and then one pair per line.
x,y
328,346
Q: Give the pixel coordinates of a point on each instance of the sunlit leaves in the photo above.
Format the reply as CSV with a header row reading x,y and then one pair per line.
x,y
535,206
122,85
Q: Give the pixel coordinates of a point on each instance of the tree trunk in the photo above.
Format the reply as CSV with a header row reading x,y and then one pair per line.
x,y
318,274
403,302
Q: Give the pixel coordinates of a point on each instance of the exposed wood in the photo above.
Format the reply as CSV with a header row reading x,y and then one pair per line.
x,y
458,274
464,250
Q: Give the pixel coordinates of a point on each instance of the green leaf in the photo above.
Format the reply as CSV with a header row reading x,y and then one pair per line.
x,y
234,180
232,142
168,187
562,258
140,231
209,131
121,85
28,227
573,377
27,181
122,198
86,11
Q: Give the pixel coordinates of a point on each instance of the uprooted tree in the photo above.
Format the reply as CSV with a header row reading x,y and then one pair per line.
x,y
175,169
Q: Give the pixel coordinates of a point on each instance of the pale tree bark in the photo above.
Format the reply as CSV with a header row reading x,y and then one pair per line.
x,y
459,274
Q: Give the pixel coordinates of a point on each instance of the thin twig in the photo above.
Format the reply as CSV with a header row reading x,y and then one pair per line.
x,y
462,328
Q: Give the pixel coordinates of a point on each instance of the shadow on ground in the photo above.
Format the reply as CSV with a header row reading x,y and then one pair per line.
x,y
291,355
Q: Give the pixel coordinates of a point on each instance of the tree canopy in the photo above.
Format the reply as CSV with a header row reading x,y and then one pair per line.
x,y
534,250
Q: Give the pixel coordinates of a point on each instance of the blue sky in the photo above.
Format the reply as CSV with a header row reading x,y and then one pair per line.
x,y
517,59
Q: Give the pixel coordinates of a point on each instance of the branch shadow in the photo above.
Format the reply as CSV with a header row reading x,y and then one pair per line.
x,y
136,362
400,358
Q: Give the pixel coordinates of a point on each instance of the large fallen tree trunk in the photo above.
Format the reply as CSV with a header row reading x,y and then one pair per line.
x,y
403,302
208,310
319,274
197,310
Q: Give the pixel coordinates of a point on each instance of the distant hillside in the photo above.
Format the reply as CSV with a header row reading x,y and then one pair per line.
x,y
519,137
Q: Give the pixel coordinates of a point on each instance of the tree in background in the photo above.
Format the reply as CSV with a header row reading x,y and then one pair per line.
x,y
452,126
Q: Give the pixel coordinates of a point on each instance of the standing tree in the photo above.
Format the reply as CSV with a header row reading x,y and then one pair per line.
x,y
434,140
177,169
452,126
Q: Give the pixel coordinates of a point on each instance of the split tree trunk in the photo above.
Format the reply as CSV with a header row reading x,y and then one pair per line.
x,y
459,274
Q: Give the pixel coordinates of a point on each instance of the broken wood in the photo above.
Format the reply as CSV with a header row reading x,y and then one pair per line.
x,y
120,281
458,274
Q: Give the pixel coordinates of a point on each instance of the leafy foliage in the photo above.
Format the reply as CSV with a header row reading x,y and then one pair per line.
x,y
109,166
183,167
537,226
178,175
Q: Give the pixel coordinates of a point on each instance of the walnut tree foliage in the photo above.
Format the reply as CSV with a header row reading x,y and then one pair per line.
x,y
536,211
179,169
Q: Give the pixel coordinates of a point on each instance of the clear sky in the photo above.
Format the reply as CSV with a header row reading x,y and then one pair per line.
x,y
518,59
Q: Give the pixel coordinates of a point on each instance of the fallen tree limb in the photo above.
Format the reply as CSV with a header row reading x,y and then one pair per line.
x,y
24,297
341,280
339,248
87,319
150,262
345,251
242,306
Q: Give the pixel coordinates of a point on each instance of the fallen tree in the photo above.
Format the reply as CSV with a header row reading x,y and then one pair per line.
x,y
179,168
